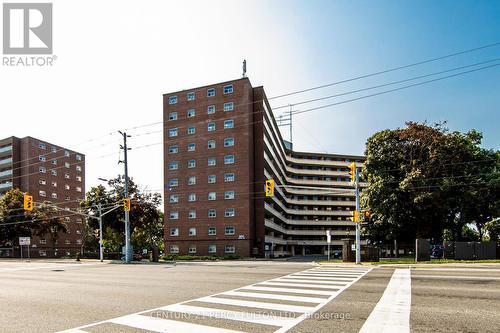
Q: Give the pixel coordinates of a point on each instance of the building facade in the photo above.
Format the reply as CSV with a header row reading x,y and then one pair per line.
x,y
49,173
221,142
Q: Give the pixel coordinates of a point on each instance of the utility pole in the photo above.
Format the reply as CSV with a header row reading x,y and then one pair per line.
x,y
101,245
127,215
358,223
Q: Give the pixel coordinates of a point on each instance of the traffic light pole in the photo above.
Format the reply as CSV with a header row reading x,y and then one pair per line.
x,y
358,224
101,245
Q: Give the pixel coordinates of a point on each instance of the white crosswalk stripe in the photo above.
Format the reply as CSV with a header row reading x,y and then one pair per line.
x,y
261,303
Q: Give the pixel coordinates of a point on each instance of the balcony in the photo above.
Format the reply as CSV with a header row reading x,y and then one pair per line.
x,y
5,149
6,161
5,173
7,185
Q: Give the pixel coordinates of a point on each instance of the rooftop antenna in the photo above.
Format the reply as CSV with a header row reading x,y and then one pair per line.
x,y
244,68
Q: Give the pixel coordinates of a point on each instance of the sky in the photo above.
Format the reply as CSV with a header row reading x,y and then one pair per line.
x,y
115,59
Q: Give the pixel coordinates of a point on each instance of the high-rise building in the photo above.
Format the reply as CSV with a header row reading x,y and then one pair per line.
x,y
221,143
49,173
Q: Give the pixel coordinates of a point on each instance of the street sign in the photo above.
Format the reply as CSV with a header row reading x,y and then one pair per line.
x,y
24,241
328,237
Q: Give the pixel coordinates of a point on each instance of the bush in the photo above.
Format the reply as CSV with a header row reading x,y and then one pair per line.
x,y
172,257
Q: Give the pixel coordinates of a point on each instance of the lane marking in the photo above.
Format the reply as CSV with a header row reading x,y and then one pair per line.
x,y
255,291
164,325
392,312
310,282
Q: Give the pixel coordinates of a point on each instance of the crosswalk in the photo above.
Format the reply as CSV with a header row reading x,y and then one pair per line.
x,y
274,305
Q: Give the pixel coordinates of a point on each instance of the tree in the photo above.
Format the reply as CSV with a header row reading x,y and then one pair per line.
x,y
15,222
493,229
424,179
145,218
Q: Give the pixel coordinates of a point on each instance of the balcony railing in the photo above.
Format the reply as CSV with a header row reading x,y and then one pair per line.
x,y
5,185
5,149
5,173
6,161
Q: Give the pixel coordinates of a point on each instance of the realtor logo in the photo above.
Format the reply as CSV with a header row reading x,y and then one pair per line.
x,y
27,28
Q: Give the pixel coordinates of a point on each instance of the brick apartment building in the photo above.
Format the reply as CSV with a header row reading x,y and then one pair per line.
x,y
221,142
49,173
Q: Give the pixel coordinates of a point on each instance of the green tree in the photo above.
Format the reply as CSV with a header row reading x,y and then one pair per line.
x,y
144,215
493,229
424,179
15,222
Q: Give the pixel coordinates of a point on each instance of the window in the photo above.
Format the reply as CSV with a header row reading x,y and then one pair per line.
x,y
192,231
67,242
229,159
229,177
229,231
78,232
54,184
229,212
211,127
53,149
67,198
172,132
174,231
41,145
229,106
229,195
43,241
191,146
42,169
41,158
212,213
78,189
192,249
212,249
173,149
67,165
42,182
211,92
66,153
174,248
174,215
53,162
191,96
211,144
172,100
211,109
211,161
229,249
172,116
191,130
67,219
174,198
42,253
67,176
42,193
53,172
78,168
78,157
79,220
173,182
212,196
212,231
212,179
228,123
228,89
192,214
192,180
228,142
66,187
54,195
191,113
192,164
191,197
79,179
173,165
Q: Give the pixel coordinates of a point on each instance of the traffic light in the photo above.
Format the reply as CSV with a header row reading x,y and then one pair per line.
x,y
270,188
126,204
352,172
28,202
355,216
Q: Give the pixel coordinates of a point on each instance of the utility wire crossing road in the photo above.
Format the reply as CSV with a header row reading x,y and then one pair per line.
x,y
274,305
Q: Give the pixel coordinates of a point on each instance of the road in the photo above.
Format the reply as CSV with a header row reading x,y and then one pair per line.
x,y
247,296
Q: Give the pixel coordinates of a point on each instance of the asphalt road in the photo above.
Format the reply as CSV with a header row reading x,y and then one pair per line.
x,y
274,296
